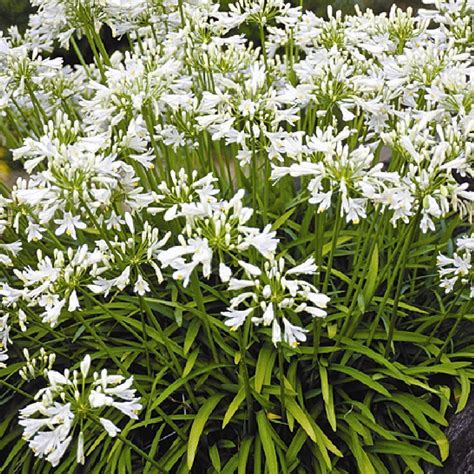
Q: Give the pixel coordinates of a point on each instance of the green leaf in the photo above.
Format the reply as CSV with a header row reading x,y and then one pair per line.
x,y
265,363
215,458
403,449
267,442
301,417
191,334
465,391
234,405
327,392
244,452
190,362
282,219
198,426
361,377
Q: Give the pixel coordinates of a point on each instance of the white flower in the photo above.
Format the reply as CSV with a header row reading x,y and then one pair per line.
x,y
69,224
459,268
225,272
292,334
111,429
141,286
236,317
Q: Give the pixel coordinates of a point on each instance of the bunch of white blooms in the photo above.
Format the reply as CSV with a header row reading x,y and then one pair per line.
x,y
4,340
212,227
278,296
130,256
38,365
70,401
459,267
54,284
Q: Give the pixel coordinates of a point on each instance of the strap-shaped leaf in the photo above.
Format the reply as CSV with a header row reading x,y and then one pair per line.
x,y
198,426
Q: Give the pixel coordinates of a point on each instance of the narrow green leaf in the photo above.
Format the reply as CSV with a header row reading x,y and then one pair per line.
x,y
198,426
267,442
403,449
265,363
327,392
361,377
282,219
465,391
244,452
372,275
190,362
301,417
234,405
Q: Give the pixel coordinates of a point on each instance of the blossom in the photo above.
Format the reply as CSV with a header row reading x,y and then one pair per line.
x,y
69,224
457,268
276,295
50,422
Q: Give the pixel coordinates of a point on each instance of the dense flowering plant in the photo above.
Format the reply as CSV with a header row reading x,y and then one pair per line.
x,y
263,247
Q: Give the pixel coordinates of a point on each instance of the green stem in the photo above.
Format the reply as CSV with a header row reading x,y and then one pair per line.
x,y
243,342
200,304
335,237
459,317
400,265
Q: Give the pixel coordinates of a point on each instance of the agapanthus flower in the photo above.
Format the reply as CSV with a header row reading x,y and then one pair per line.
x,y
71,398
4,339
274,295
458,269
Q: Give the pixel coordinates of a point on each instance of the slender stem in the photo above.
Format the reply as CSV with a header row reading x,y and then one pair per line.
x,y
243,342
335,237
399,265
460,316
281,362
200,303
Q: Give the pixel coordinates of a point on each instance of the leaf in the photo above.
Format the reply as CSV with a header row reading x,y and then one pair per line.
x,y
361,377
190,362
403,449
327,392
282,219
265,362
301,417
198,426
267,442
341,240
465,391
244,452
234,405
178,383
215,458
361,457
191,334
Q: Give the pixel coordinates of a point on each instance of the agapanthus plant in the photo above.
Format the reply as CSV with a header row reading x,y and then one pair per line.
x,y
256,221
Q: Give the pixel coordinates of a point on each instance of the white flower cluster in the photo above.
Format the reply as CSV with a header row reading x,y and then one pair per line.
x,y
277,294
4,340
70,400
38,365
459,267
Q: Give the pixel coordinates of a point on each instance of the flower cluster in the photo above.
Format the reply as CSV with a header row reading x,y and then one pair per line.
x,y
278,295
70,400
458,269
4,339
